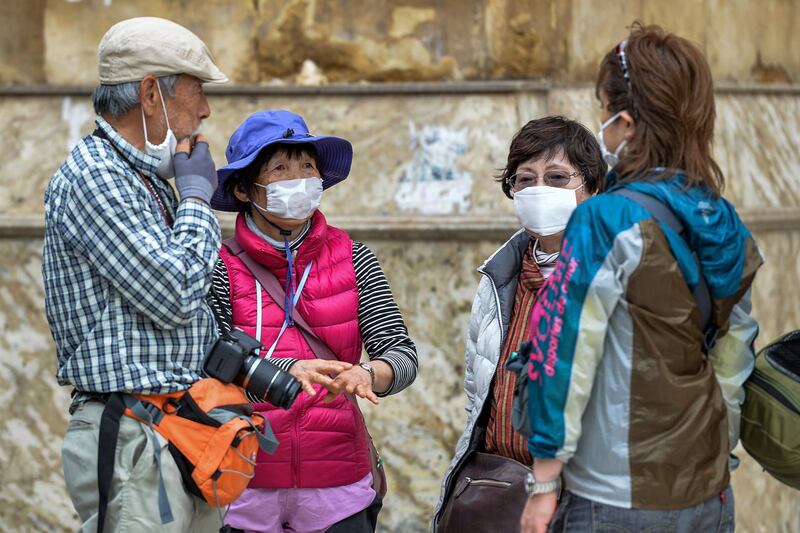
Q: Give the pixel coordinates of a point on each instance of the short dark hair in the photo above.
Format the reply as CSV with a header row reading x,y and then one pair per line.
x,y
246,178
545,138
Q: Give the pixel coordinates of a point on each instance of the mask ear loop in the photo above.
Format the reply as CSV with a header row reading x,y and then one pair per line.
x,y
163,105
163,110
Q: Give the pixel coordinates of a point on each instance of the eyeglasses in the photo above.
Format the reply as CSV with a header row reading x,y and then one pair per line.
x,y
522,180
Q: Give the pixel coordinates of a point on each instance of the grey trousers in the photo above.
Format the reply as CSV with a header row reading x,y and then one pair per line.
x,y
579,515
133,499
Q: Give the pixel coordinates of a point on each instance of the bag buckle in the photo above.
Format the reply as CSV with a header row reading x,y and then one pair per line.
x,y
156,414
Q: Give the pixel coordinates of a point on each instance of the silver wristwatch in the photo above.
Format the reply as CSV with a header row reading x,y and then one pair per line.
x,y
368,367
533,487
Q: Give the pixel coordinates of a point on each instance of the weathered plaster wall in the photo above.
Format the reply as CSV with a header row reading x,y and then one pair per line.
x,y
408,149
54,41
757,139
433,281
415,431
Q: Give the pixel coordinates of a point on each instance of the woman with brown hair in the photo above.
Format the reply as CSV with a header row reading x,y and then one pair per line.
x,y
642,336
553,165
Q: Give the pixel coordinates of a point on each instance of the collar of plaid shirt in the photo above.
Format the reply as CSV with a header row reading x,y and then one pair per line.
x,y
143,163
139,160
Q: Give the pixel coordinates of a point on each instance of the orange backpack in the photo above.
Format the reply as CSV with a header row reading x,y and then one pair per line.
x,y
213,435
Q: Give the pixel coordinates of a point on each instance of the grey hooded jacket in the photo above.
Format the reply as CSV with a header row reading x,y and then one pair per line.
x,y
488,324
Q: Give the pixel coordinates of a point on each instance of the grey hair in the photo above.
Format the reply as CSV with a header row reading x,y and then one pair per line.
x,y
116,100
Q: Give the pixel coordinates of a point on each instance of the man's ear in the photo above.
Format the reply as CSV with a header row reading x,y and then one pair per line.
x,y
148,95
630,125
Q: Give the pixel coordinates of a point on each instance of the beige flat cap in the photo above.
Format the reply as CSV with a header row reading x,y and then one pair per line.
x,y
134,48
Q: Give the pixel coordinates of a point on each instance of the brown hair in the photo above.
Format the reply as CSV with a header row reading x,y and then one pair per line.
x,y
670,95
246,178
545,138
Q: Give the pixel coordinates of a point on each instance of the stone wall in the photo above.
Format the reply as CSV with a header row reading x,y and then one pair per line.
x,y
421,193
258,41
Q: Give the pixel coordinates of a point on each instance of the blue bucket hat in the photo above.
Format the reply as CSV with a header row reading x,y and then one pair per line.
x,y
264,128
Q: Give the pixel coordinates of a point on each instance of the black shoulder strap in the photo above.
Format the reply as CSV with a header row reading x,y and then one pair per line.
x,y
106,449
701,293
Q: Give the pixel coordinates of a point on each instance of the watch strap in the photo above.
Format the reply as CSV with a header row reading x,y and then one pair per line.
x,y
533,487
369,368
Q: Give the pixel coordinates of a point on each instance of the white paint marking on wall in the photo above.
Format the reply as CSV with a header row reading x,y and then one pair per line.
x,y
75,115
431,183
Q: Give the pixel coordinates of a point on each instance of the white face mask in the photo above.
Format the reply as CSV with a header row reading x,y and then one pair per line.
x,y
164,151
612,158
295,199
545,210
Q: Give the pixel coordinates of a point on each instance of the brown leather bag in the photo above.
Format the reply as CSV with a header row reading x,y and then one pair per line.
x,y
488,496
320,349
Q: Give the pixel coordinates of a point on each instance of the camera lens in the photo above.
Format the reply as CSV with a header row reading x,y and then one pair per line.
x,y
264,380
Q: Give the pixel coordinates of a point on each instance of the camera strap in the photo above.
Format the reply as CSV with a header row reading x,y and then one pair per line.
x,y
267,280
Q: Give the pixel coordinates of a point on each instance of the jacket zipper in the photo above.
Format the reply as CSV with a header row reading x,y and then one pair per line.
x,y
296,451
773,391
497,304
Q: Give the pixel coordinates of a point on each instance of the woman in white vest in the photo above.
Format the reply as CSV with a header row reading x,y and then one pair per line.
x,y
553,164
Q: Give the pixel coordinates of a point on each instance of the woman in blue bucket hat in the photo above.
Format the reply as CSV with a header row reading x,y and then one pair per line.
x,y
324,475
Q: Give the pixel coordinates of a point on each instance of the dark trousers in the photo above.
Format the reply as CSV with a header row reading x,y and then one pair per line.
x,y
363,522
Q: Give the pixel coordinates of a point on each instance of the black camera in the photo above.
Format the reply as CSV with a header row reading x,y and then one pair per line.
x,y
233,359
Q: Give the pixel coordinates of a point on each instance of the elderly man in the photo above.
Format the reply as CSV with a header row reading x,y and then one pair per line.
x,y
127,266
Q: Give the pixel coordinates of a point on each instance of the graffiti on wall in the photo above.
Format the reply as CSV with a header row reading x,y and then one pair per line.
x,y
431,183
75,115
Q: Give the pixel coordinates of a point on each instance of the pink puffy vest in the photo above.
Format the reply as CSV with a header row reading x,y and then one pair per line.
x,y
321,444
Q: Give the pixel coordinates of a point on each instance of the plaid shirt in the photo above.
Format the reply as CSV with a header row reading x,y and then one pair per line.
x,y
124,292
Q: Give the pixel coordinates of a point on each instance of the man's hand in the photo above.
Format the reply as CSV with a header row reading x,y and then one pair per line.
x,y
356,381
538,513
195,174
318,371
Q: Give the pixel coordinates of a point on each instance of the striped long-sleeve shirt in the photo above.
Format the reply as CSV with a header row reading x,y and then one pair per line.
x,y
381,324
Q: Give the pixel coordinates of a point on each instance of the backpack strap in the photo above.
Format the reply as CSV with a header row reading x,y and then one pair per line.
x,y
106,449
107,446
701,292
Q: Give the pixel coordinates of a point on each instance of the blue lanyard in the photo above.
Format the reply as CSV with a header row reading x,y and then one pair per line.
x,y
286,323
288,298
